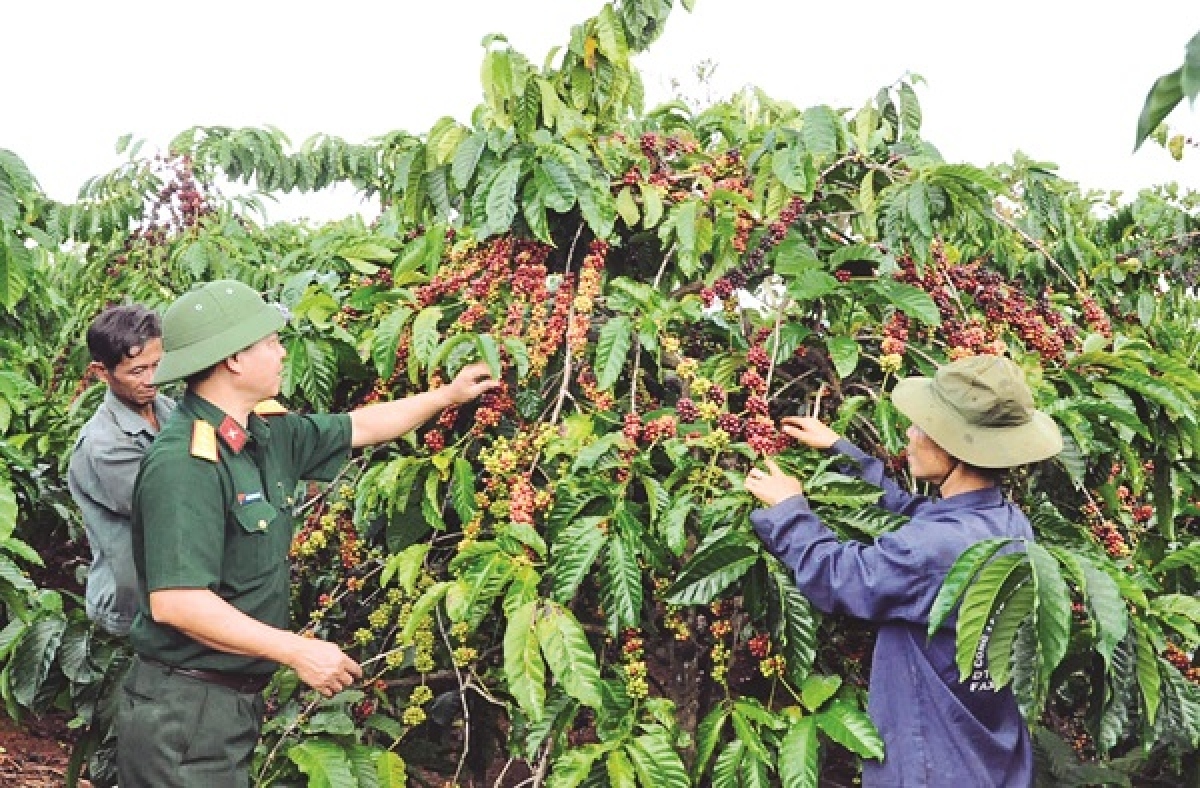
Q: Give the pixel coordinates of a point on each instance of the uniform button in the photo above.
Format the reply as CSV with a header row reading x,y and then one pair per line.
x,y
262,525
289,500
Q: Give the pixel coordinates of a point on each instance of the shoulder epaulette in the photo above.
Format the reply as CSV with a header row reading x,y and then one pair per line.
x,y
204,441
270,407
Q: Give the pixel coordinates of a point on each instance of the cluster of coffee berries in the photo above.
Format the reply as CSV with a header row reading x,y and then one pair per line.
x,y
414,712
591,278
326,526
1094,316
1104,531
603,400
633,656
725,286
759,645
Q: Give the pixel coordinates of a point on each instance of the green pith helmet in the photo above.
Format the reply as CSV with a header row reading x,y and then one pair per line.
x,y
210,324
980,410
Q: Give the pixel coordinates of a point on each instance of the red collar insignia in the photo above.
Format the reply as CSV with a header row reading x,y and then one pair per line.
x,y
232,433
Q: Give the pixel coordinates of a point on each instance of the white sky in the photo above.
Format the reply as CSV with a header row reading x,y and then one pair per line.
x,y
1061,80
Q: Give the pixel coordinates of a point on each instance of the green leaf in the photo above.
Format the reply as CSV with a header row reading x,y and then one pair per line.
x,y
713,569
462,490
425,338
8,510
620,769
965,567
657,762
1187,557
991,588
911,300
490,353
1107,609
405,566
555,185
725,772
389,770
818,689
799,755
387,339
796,628
910,111
652,206
627,207
851,728
1148,677
523,666
820,131
324,762
598,208
809,284
788,166
1164,96
569,655
1052,608
708,736
621,582
572,767
573,554
616,338
502,197
33,656
844,352
1005,627
466,159
747,735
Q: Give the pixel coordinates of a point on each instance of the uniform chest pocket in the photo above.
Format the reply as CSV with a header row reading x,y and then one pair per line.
x,y
258,544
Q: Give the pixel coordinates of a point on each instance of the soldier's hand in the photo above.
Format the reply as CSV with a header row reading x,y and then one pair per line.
x,y
811,432
472,381
772,485
324,667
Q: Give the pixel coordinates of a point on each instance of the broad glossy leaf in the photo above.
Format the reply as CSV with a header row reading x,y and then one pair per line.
x,y
818,689
820,131
911,300
324,762
612,348
573,553
462,490
569,655
1148,677
713,569
708,736
572,767
851,728
1187,557
1007,624
844,352
523,666
796,628
621,582
992,586
1164,96
965,567
466,159
799,755
725,771
655,758
1107,609
405,566
620,770
389,770
33,656
1052,608
502,197
425,339
747,734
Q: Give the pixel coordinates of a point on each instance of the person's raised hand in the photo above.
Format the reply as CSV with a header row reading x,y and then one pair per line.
x,y
472,381
810,431
323,666
772,485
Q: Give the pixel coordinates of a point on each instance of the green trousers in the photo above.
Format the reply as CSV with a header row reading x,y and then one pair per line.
x,y
174,730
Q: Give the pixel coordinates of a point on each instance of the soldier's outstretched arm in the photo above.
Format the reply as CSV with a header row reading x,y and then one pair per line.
x,y
203,616
389,420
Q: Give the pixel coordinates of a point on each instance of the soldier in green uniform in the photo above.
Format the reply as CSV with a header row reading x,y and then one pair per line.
x,y
212,527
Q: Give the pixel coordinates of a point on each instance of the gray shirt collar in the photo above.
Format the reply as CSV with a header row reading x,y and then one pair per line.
x,y
129,420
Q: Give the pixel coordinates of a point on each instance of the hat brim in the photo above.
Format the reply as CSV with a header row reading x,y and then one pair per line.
x,y
984,447
183,362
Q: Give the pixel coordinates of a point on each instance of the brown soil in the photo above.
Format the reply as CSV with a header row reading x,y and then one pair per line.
x,y
35,754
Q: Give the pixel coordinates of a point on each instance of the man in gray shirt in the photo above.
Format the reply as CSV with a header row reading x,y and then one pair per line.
x,y
126,346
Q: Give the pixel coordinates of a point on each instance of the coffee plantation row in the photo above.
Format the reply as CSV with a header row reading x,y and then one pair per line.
x,y
559,583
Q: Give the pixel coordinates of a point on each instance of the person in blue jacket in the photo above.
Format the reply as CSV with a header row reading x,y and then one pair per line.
x,y
975,417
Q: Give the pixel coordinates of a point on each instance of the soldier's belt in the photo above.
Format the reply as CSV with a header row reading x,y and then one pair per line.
x,y
238,682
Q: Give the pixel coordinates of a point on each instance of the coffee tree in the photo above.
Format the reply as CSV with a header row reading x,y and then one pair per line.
x,y
560,582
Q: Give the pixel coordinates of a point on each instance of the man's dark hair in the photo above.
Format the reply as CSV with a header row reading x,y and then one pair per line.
x,y
120,332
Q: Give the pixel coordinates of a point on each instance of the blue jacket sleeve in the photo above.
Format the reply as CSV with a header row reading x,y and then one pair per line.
x,y
891,580
870,470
